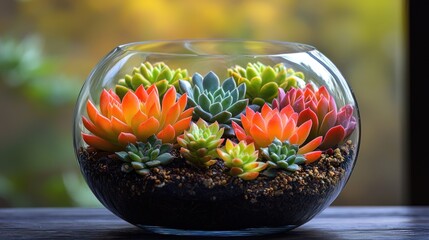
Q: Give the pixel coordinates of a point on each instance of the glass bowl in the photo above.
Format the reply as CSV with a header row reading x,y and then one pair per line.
x,y
216,137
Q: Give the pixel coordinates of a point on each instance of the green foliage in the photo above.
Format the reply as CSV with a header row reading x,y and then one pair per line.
x,y
200,142
264,81
147,74
214,102
282,155
23,66
142,156
241,159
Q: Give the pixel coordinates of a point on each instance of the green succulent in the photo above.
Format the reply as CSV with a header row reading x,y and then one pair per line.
x,y
142,156
214,102
147,74
282,155
241,159
264,81
199,143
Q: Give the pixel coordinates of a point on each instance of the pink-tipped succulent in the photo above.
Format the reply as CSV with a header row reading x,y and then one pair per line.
x,y
136,117
319,106
263,127
241,159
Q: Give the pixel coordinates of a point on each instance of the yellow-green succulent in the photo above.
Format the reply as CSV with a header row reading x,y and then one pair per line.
x,y
263,81
199,143
158,74
241,159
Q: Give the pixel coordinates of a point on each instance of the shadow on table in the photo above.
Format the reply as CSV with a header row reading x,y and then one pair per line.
x,y
137,233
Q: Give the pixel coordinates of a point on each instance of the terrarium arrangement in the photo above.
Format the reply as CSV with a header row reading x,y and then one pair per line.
x,y
259,144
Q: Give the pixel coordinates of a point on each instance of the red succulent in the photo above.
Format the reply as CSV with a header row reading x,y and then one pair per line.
x,y
320,107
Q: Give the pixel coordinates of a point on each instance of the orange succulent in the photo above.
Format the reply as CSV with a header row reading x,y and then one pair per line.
x,y
139,115
263,127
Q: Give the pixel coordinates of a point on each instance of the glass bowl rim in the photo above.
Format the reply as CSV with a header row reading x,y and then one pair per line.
x,y
288,47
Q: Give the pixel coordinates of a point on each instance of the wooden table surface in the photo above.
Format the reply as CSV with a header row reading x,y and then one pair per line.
x,y
396,222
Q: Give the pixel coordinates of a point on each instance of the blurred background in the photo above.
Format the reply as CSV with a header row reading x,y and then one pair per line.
x,y
48,48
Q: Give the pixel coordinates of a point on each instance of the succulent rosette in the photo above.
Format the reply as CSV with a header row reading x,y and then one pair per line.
x,y
241,158
283,156
263,127
263,81
158,74
136,117
143,156
317,105
215,102
199,143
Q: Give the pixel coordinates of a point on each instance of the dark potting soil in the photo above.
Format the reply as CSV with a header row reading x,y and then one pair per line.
x,y
181,196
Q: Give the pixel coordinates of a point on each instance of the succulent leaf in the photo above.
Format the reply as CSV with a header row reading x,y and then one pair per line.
x,y
237,107
222,117
216,108
229,84
269,90
211,82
